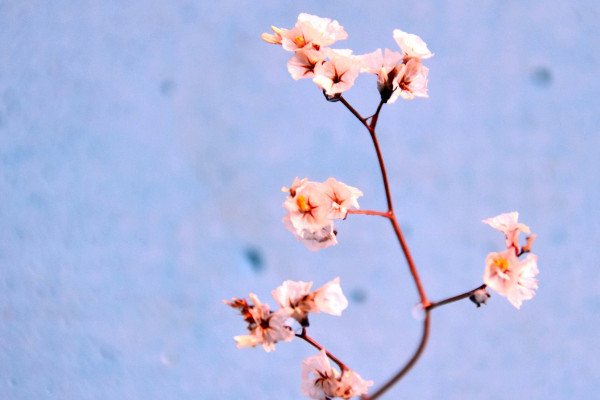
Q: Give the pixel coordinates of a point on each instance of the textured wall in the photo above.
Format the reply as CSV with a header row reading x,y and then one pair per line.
x,y
142,149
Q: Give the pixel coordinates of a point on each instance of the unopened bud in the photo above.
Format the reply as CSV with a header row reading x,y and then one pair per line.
x,y
480,297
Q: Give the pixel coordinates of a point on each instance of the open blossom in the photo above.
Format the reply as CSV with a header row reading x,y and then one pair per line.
x,y
507,224
412,45
303,63
297,299
310,32
400,74
308,208
311,207
410,81
342,197
511,277
266,327
386,66
317,240
338,73
320,381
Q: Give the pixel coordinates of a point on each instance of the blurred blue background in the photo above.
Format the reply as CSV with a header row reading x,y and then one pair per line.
x,y
143,145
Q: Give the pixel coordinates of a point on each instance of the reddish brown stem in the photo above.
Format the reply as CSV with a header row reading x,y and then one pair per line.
x,y
370,212
314,343
413,269
413,360
449,300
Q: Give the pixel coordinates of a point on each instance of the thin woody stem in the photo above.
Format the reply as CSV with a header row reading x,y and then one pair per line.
x,y
370,212
409,260
333,358
433,305
413,360
353,111
386,185
413,269
375,116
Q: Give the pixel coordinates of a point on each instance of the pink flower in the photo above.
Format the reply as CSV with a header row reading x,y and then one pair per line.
x,y
511,277
303,62
386,67
308,208
310,32
342,197
410,82
297,299
507,224
320,381
312,206
412,45
330,299
352,385
338,74
266,327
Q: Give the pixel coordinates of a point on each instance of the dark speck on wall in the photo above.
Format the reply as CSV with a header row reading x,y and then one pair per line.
x,y
541,76
254,258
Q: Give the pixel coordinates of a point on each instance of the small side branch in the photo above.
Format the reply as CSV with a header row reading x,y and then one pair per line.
x,y
314,343
371,212
354,112
449,300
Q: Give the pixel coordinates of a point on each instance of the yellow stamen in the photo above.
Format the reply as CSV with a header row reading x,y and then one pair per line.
x,y
501,263
302,204
299,40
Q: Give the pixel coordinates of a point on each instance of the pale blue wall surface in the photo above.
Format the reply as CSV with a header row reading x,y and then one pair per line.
x,y
142,149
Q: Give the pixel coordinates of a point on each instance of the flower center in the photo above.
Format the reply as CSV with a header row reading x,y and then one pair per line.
x,y
303,204
299,40
501,263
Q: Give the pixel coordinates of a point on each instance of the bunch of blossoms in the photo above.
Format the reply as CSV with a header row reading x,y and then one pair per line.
x,y
296,301
335,70
313,206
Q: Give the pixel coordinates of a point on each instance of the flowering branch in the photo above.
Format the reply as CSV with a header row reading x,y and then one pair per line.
x,y
312,208
390,214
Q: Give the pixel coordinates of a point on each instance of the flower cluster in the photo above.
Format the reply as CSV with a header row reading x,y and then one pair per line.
x,y
504,272
312,207
296,301
321,381
335,70
266,327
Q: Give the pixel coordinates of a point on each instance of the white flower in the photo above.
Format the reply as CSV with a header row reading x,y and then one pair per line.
x,y
342,197
330,299
297,300
266,327
352,385
339,73
320,31
412,45
310,32
507,224
319,239
510,277
320,381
